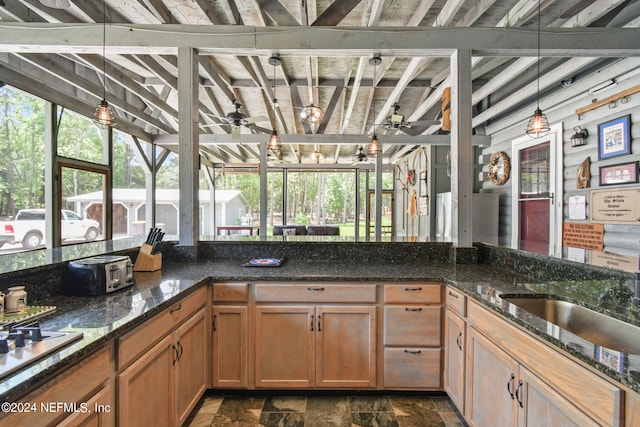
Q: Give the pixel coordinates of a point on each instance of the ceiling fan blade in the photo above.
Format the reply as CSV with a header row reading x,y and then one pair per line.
x,y
260,129
235,132
408,131
56,4
424,123
214,124
256,119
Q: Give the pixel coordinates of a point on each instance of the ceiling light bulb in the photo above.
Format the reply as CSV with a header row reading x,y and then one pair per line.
x,y
103,115
274,141
538,125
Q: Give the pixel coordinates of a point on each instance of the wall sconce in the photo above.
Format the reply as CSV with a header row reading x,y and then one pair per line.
x,y
580,137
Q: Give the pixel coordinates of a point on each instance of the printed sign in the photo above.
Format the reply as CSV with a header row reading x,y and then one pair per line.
x,y
615,261
616,206
583,235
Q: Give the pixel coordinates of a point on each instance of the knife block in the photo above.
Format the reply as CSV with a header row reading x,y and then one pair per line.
x,y
146,261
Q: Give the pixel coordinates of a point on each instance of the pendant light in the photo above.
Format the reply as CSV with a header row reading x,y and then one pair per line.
x,y
274,140
538,124
374,146
103,116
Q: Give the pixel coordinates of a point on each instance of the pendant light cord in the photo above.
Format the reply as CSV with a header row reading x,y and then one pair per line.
x,y
104,47
538,92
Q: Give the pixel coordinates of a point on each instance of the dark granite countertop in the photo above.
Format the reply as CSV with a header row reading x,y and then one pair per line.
x,y
102,318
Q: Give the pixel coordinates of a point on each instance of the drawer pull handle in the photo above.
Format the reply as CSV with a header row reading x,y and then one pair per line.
x,y
177,354
412,351
413,309
518,394
412,289
312,323
315,289
319,323
454,295
176,308
510,385
215,317
459,341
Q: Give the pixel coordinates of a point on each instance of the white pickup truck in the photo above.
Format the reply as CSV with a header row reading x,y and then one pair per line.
x,y
29,224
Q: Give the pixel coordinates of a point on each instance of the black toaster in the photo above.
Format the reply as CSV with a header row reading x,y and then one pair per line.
x,y
97,275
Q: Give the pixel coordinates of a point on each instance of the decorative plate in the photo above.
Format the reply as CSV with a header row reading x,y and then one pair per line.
x,y
264,262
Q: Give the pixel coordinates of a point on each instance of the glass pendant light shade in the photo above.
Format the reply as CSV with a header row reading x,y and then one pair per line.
x,y
374,146
538,124
311,113
274,141
103,115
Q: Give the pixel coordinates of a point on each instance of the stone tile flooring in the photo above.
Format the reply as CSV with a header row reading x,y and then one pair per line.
x,y
394,410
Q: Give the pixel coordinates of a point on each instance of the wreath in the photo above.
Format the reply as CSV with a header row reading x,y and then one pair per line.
x,y
493,167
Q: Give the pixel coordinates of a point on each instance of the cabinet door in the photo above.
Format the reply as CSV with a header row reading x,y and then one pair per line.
x,y
346,346
230,337
491,383
146,388
541,406
100,412
191,368
454,363
285,346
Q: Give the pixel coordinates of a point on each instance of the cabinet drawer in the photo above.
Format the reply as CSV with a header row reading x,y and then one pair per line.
x,y
412,368
316,292
133,343
230,292
456,301
413,293
417,325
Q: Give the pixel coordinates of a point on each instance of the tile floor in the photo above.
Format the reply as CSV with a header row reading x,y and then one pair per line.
x,y
410,410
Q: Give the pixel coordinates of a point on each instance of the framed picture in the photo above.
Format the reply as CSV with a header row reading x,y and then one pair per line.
x,y
614,138
623,173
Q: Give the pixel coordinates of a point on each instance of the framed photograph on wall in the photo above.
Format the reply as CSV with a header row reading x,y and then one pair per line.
x,y
623,173
614,138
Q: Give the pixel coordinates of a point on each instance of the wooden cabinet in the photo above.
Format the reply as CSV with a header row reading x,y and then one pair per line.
x,y
191,366
100,412
455,334
230,346
454,360
504,393
315,346
84,390
230,350
160,385
315,335
412,336
514,379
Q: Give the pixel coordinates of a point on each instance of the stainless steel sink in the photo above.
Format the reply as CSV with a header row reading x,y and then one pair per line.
x,y
584,322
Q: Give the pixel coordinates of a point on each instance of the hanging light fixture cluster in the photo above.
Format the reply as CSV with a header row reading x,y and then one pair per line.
x,y
374,147
274,141
538,125
103,116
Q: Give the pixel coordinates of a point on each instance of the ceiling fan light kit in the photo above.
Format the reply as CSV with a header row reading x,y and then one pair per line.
x,y
311,113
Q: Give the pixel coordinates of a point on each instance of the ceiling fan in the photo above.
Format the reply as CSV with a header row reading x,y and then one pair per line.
x,y
360,156
396,121
236,120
